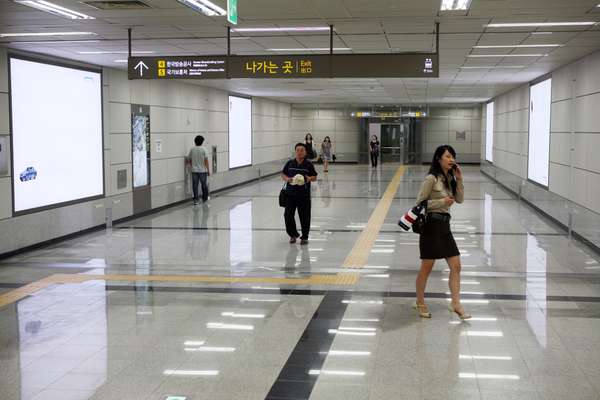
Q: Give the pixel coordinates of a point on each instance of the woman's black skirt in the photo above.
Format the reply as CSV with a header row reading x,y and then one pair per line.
x,y
437,241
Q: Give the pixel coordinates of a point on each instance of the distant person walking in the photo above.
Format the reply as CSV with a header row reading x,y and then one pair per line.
x,y
374,150
442,187
311,154
198,161
298,173
326,154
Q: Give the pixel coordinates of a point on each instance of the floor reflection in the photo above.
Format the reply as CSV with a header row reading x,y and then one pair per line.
x,y
536,289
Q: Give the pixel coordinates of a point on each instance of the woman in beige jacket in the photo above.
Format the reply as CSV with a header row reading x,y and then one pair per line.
x,y
442,187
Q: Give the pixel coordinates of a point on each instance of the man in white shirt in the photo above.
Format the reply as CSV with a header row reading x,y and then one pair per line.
x,y
199,162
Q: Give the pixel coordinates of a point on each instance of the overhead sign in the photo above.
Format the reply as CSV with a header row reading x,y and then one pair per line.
x,y
276,66
413,65
232,14
178,67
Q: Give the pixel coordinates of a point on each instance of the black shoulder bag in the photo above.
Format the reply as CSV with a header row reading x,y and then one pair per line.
x,y
283,196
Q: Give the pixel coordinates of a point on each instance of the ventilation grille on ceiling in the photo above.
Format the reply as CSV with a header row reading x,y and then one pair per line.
x,y
117,5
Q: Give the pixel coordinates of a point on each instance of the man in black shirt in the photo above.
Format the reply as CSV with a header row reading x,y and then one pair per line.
x,y
298,173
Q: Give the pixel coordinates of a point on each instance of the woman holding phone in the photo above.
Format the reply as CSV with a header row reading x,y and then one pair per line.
x,y
442,187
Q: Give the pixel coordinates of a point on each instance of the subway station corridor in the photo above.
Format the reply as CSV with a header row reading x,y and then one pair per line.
x,y
212,302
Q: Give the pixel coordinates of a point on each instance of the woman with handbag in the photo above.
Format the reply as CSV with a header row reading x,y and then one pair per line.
x,y
442,187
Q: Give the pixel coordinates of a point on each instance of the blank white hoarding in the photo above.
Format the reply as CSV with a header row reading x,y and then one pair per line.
x,y
56,132
240,132
538,162
489,132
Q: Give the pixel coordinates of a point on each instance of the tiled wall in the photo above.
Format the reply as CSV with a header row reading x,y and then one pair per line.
x,y
343,130
444,125
179,111
574,188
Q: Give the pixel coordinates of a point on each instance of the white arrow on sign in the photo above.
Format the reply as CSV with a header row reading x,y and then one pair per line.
x,y
141,66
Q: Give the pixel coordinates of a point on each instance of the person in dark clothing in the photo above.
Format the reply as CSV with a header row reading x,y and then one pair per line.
x,y
298,173
374,150
311,154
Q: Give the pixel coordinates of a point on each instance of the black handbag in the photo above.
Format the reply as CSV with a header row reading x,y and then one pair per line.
x,y
419,225
283,197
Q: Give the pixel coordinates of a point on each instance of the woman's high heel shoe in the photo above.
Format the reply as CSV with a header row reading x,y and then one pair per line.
x,y
462,315
422,310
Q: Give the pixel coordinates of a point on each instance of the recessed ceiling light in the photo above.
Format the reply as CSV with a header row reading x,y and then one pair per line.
x,y
313,49
53,9
27,34
115,52
54,41
455,5
289,29
535,24
517,46
204,6
505,55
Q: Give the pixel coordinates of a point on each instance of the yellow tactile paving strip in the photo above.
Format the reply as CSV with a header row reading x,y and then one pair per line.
x,y
27,290
357,258
359,255
24,291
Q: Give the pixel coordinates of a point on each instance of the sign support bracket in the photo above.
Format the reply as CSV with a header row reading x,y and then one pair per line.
x,y
129,42
331,51
437,39
228,51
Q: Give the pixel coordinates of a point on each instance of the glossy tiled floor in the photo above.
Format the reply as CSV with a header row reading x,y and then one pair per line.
x,y
534,294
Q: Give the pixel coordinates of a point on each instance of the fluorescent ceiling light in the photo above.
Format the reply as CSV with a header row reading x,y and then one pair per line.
x,y
53,9
505,55
218,325
332,372
115,52
541,33
495,358
54,41
288,29
455,5
193,343
236,315
361,319
27,34
518,46
347,328
470,375
212,349
121,61
336,332
190,372
347,353
205,7
536,24
483,333
313,49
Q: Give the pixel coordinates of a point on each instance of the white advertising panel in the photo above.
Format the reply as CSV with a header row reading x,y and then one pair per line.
x,y
538,162
489,132
240,132
56,132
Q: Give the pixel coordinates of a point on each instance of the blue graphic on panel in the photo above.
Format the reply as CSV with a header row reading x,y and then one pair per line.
x,y
29,174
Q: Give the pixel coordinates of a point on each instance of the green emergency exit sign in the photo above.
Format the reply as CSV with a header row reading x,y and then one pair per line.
x,y
232,12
